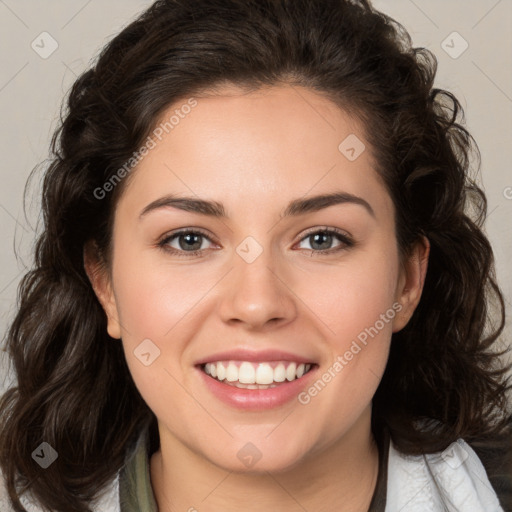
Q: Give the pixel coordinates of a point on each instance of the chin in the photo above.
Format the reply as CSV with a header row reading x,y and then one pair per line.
x,y
253,457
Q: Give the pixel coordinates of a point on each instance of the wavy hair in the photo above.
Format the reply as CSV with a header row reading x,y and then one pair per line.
x,y
74,388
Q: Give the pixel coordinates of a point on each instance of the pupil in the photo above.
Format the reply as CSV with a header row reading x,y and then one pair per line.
x,y
189,244
319,236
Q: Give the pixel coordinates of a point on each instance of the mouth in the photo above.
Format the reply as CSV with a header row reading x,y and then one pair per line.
x,y
256,380
256,375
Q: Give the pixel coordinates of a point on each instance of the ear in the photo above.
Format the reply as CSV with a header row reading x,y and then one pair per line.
x,y
410,282
101,283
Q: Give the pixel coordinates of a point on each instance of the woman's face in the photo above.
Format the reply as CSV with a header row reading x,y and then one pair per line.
x,y
281,277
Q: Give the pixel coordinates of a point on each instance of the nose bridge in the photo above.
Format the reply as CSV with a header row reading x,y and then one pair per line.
x,y
256,293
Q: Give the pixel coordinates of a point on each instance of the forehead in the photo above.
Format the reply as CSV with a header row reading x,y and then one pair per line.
x,y
261,147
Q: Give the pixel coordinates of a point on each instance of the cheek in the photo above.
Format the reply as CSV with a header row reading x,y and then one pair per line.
x,y
154,305
355,305
153,298
352,296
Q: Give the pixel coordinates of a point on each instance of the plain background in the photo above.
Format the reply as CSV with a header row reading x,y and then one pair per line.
x,y
32,89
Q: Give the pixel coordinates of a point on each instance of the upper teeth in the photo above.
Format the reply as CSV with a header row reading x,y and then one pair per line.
x,y
256,373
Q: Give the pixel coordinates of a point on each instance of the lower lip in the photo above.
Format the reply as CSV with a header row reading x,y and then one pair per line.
x,y
257,399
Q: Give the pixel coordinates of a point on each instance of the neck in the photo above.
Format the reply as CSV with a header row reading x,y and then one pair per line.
x,y
342,478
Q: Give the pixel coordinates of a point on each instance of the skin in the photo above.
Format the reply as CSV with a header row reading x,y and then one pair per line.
x,y
255,152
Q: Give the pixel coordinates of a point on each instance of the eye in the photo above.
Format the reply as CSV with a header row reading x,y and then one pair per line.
x,y
321,240
190,242
186,242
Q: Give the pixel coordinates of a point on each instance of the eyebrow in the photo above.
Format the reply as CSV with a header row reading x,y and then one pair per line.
x,y
295,208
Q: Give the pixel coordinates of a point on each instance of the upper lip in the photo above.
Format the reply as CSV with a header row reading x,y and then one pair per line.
x,y
254,356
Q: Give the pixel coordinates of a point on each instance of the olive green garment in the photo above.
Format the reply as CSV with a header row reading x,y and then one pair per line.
x,y
136,493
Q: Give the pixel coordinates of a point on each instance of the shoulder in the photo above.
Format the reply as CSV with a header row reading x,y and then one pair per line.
x,y
453,480
5,503
107,501
4,500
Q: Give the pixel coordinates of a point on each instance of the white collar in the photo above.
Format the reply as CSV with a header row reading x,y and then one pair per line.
x,y
453,480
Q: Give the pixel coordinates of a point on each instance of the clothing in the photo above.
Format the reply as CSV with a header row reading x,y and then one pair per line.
x,y
452,481
136,494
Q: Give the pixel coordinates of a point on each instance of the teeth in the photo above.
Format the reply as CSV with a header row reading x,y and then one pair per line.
x,y
246,373
221,371
231,372
280,373
250,386
264,374
291,371
249,375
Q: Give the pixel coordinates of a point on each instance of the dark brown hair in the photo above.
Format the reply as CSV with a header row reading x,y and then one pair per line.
x,y
74,388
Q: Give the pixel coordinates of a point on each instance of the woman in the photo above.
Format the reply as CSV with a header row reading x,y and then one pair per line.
x,y
335,351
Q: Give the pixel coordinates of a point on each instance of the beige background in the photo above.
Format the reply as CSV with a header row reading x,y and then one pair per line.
x,y
32,88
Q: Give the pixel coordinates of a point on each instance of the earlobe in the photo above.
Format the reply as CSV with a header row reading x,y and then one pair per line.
x,y
101,284
411,281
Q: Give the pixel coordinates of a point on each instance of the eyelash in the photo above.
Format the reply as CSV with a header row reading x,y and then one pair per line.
x,y
346,241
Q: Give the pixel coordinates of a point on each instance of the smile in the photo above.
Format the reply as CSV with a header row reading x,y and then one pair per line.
x,y
256,385
253,375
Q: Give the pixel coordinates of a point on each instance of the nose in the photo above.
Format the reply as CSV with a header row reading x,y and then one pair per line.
x,y
257,294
